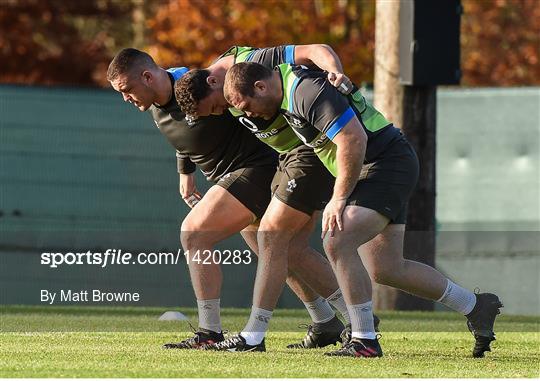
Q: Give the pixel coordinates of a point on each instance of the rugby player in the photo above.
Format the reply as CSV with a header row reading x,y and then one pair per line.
x,y
301,186
242,169
376,171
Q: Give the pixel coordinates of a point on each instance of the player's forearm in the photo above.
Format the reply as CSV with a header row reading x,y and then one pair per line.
x,y
349,164
351,143
320,55
186,183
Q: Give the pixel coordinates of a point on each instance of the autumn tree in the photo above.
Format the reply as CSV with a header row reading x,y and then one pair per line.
x,y
500,42
71,42
500,38
61,42
194,32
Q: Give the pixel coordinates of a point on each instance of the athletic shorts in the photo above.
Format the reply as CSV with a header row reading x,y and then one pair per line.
x,y
250,186
386,184
302,181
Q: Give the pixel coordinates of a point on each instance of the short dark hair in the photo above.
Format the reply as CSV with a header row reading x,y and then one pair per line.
x,y
242,76
190,89
127,60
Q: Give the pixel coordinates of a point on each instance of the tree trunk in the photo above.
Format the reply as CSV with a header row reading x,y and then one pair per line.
x,y
413,108
388,97
419,125
139,27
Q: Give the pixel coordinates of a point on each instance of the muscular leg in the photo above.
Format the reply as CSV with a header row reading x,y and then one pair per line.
x,y
310,275
217,216
326,328
284,228
309,264
296,284
360,226
383,258
315,269
278,226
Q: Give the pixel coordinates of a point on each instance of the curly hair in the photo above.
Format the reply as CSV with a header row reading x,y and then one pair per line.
x,y
190,89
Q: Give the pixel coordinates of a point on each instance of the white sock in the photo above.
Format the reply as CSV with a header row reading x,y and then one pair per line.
x,y
209,314
320,310
336,299
458,298
362,320
256,326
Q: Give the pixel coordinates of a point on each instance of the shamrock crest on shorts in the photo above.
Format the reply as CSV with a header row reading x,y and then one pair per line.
x,y
291,184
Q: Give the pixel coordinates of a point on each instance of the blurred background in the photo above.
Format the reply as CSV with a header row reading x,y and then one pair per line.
x,y
81,170
62,42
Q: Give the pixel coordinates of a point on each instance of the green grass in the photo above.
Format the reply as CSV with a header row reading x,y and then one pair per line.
x,y
125,342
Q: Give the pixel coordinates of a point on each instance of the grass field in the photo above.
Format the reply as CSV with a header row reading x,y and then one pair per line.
x,y
126,342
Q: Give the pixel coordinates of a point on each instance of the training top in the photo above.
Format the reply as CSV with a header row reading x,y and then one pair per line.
x,y
274,132
317,111
218,144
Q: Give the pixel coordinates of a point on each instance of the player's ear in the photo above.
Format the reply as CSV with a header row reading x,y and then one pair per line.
x,y
260,86
212,81
147,77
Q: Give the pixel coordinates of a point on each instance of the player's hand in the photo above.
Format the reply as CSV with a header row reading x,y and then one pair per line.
x,y
188,189
333,216
341,82
193,199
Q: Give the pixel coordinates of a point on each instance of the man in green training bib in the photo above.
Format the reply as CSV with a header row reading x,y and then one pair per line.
x,y
294,208
241,169
376,171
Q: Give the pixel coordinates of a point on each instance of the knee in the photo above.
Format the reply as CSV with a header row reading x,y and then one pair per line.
x,y
188,239
192,237
333,247
268,226
271,234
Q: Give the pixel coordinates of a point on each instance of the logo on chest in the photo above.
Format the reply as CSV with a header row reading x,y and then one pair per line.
x,y
248,124
190,120
296,122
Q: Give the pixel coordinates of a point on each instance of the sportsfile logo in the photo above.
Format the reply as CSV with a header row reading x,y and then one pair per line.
x,y
119,257
110,257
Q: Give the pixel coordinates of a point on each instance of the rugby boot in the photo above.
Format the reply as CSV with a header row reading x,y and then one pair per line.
x,y
346,334
200,338
320,335
359,348
480,322
235,344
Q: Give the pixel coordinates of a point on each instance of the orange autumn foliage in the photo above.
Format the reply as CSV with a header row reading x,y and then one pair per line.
x,y
71,42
